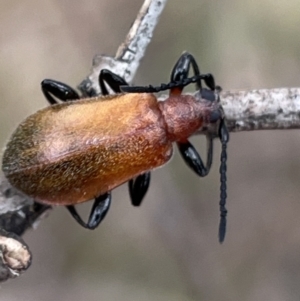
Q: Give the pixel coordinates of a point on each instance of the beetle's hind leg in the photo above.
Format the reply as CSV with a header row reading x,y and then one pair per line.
x,y
100,208
59,90
138,186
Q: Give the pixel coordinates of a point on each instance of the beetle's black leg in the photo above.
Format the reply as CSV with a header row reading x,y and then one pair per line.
x,y
59,90
138,186
98,211
113,80
193,159
182,67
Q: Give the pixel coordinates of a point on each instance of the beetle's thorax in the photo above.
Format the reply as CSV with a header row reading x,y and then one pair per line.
x,y
185,114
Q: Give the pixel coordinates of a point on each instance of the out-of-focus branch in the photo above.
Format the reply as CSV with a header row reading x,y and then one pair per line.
x,y
130,53
18,212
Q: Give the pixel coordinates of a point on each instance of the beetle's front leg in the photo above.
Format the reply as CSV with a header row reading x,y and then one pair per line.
x,y
181,71
189,154
193,159
182,68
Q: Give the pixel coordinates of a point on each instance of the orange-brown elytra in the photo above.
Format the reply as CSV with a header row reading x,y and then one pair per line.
x,y
74,151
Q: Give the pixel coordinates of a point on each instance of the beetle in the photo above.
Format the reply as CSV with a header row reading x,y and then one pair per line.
x,y
79,149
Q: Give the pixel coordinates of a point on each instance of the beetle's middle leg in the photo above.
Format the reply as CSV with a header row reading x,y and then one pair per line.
x,y
138,186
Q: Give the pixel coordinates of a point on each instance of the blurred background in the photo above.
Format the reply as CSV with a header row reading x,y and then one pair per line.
x,y
168,248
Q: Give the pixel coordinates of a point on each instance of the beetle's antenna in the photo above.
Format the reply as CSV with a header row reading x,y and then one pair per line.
x,y
181,83
224,137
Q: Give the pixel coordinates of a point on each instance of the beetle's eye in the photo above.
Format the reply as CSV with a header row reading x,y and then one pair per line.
x,y
208,94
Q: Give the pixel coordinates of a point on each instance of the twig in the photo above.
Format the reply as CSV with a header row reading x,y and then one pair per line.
x,y
19,212
15,255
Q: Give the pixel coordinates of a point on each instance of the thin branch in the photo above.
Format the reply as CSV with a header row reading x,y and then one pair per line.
x,y
263,109
19,212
